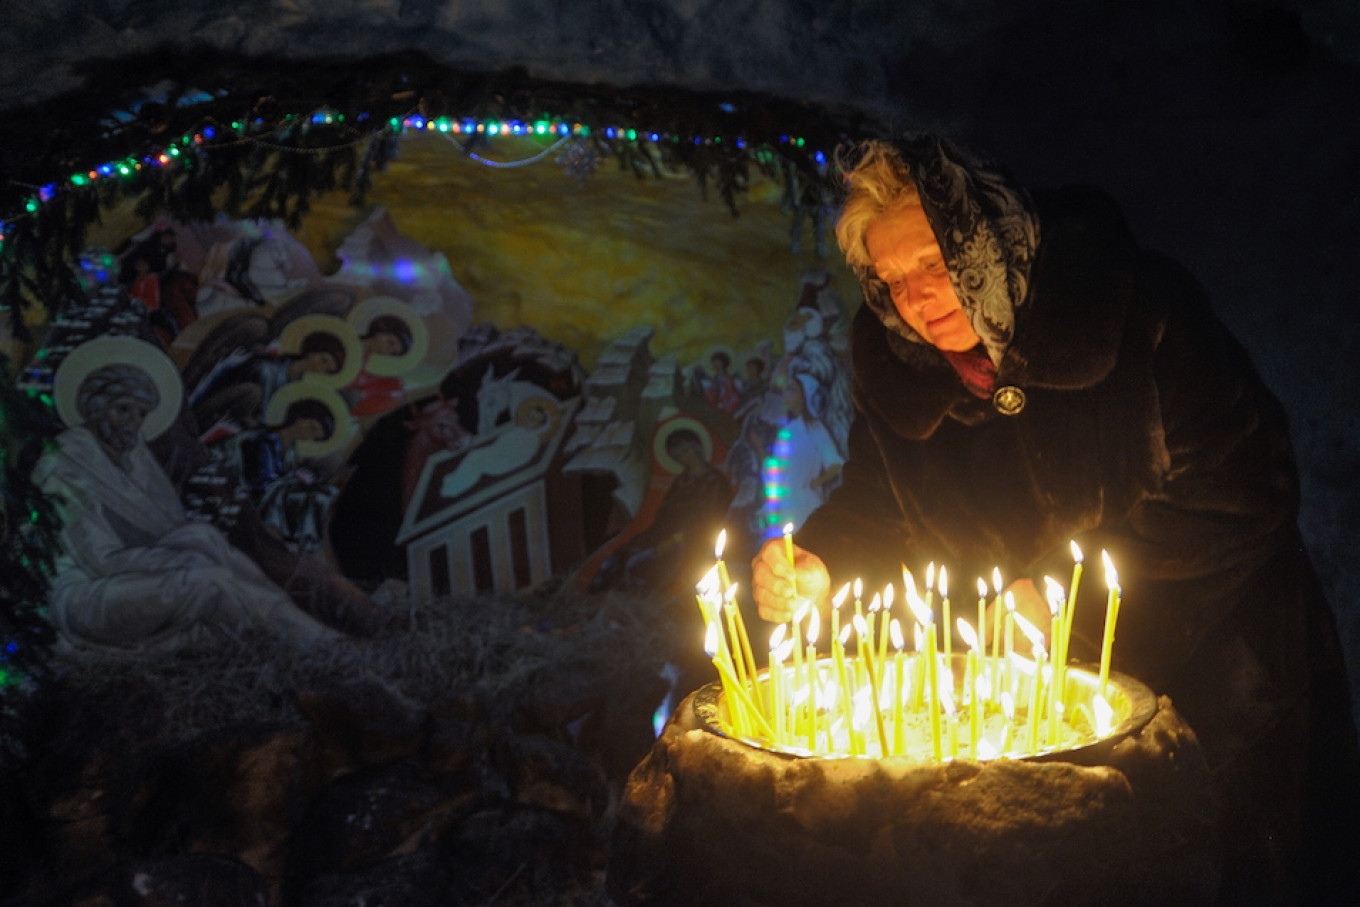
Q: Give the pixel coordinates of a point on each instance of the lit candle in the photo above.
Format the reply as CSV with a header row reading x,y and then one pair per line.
x,y
1009,648
814,626
741,710
884,620
1071,608
996,632
718,555
1111,618
899,700
1036,641
1008,711
946,628
921,610
982,627
1056,689
863,651
779,650
733,616
788,542
872,635
971,684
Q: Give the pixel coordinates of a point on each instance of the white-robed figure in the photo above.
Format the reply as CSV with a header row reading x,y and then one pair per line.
x,y
134,571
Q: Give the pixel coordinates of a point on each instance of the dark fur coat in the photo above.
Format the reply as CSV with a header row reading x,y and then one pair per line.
x,y
1146,431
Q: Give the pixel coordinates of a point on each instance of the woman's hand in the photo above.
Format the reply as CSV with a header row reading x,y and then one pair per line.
x,y
780,588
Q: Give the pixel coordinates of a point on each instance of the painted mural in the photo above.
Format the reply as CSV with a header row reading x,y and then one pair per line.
x,y
318,439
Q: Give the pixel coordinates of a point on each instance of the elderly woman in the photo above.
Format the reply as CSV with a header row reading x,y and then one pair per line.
x,y
134,572
1026,375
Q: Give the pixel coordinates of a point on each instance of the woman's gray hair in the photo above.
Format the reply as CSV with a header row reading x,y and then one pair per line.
x,y
110,382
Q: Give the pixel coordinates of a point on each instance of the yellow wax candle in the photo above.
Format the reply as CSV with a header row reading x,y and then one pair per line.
x,y
951,723
933,696
777,655
878,711
1035,637
718,556
946,628
996,632
871,636
979,703
1008,711
884,619
1070,611
1056,599
971,685
982,622
814,627
847,688
930,593
1111,618
899,707
730,684
739,658
748,655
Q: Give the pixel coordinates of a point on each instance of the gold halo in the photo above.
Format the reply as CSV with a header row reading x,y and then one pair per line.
x,y
670,427
294,391
290,342
551,409
390,366
119,350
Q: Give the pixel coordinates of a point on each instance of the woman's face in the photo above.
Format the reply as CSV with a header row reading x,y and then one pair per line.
x,y
906,256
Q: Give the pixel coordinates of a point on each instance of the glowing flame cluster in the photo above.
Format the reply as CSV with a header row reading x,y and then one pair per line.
x,y
864,694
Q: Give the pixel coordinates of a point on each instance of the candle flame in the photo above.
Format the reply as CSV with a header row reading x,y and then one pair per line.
x,y
930,575
861,625
1032,633
845,633
1056,595
895,631
814,626
944,582
802,612
839,598
982,587
1111,575
777,637
877,603
1010,601
996,580
785,649
1076,551
888,597
918,607
711,639
722,543
919,637
859,588
966,631
730,596
708,584
908,581
788,529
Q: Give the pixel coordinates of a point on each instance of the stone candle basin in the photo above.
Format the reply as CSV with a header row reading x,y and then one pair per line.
x,y
707,819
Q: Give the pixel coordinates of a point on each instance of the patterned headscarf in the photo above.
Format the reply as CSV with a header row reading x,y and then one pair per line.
x,y
987,231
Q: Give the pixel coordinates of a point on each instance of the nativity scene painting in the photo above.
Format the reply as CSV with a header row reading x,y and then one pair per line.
x,y
341,438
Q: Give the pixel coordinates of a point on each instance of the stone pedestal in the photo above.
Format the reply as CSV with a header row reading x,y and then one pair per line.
x,y
707,819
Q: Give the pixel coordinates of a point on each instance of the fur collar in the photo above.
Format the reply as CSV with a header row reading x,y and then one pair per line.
x,y
1067,335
